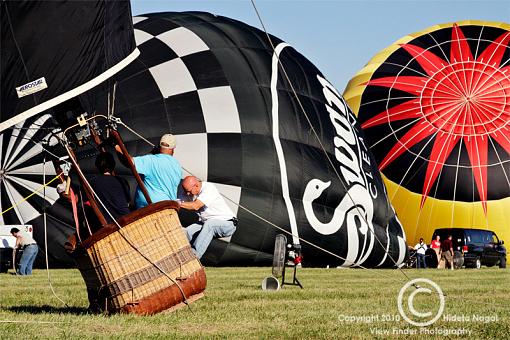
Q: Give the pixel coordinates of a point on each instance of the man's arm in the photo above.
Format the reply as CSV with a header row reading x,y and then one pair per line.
x,y
195,205
18,242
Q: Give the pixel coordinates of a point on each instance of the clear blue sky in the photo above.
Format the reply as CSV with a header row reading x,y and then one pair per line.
x,y
339,36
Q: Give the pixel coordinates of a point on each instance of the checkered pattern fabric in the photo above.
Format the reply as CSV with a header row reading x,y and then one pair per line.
x,y
198,100
209,81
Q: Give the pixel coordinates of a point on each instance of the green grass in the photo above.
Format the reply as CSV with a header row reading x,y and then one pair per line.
x,y
236,307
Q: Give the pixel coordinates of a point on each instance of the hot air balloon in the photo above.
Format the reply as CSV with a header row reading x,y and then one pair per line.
x,y
50,53
218,85
284,156
435,110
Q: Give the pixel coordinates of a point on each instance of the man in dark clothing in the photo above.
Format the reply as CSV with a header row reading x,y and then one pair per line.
x,y
447,252
112,191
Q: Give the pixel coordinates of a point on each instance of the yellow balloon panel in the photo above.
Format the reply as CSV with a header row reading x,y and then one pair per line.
x,y
421,222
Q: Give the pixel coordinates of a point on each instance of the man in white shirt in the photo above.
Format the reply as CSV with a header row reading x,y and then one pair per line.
x,y
216,218
25,241
421,248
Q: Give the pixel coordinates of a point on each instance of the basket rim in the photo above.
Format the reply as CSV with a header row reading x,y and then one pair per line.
x,y
129,218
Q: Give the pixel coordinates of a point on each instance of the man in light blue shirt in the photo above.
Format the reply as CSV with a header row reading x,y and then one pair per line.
x,y
161,173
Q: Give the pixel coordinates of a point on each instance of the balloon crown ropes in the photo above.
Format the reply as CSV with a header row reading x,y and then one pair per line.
x,y
435,113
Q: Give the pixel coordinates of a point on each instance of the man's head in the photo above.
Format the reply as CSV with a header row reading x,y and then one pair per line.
x,y
191,185
449,237
105,162
14,231
167,144
421,240
438,237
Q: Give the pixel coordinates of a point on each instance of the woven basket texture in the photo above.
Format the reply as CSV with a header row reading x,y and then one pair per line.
x,y
124,260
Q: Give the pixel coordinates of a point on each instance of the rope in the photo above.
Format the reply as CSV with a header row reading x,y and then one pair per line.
x,y
319,141
300,238
43,188
46,235
136,133
32,194
35,322
82,204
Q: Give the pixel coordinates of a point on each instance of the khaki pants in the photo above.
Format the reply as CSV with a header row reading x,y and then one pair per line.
x,y
448,258
438,255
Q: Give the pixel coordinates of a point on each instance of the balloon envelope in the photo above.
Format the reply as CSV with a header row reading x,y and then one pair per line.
x,y
435,110
217,84
51,51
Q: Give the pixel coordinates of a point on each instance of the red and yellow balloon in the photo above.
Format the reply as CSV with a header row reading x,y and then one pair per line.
x,y
435,110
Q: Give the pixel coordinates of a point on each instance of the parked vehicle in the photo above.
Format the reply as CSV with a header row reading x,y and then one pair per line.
x,y
474,247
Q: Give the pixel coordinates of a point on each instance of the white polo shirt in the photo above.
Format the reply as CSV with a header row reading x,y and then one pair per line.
x,y
215,206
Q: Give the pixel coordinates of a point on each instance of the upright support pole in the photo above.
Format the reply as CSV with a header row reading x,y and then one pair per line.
x,y
117,137
88,189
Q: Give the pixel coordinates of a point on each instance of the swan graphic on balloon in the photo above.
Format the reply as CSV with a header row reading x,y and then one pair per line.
x,y
357,218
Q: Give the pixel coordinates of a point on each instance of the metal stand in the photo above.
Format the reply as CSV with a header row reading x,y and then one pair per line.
x,y
295,281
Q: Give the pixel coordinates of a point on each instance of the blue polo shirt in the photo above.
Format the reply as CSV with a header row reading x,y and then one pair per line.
x,y
161,175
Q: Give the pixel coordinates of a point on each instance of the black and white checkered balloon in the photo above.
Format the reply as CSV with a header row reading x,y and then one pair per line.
x,y
216,84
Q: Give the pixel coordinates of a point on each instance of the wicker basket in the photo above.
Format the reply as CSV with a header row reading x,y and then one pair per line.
x,y
145,267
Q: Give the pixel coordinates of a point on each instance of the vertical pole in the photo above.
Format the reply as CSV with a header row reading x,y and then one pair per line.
x,y
88,189
117,137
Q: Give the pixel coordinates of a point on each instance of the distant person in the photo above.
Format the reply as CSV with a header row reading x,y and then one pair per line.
x,y
420,248
27,243
161,173
112,191
216,218
447,252
436,245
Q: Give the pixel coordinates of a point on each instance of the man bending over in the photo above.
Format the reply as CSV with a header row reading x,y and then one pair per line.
x,y
216,218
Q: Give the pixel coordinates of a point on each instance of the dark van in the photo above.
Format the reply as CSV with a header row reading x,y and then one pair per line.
x,y
477,246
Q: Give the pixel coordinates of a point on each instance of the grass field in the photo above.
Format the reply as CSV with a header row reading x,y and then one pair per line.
x,y
236,307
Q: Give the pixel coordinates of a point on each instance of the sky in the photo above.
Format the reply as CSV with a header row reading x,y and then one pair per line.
x,y
339,36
